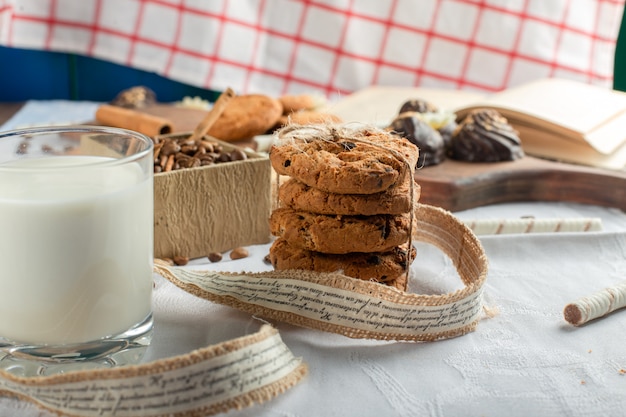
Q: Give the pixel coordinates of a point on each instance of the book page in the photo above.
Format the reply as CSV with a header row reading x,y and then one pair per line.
x,y
380,105
566,107
563,149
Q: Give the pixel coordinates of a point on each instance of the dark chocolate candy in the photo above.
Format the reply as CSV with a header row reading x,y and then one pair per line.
x,y
418,105
409,125
484,135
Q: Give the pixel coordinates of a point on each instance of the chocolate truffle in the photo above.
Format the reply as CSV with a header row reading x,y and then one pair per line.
x,y
135,98
419,105
484,135
441,121
410,125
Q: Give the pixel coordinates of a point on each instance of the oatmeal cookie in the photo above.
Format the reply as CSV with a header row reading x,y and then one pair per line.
x,y
247,116
340,234
308,117
379,266
341,159
297,102
394,200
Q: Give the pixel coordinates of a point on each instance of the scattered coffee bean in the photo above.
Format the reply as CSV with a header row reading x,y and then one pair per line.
x,y
181,260
239,253
214,256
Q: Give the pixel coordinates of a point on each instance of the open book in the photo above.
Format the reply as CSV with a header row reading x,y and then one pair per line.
x,y
557,119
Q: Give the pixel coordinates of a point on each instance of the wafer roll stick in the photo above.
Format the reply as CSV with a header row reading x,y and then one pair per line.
x,y
596,305
532,225
133,120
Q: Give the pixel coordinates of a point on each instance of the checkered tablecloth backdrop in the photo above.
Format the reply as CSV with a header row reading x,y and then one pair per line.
x,y
332,47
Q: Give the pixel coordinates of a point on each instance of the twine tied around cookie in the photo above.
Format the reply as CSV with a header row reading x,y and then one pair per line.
x,y
293,134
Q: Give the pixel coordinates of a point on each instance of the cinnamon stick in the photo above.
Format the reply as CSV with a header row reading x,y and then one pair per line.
x,y
147,124
216,111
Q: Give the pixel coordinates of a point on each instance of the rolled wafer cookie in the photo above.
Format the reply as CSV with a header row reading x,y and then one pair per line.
x,y
596,305
533,225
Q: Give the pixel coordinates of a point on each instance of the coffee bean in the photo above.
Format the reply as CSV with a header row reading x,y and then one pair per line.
x,y
169,148
224,157
214,256
172,153
180,260
237,155
239,253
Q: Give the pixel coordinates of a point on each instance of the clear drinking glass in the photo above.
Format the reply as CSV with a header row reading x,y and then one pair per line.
x,y
76,248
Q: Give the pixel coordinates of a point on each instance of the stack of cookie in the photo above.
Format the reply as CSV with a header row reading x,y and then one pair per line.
x,y
346,204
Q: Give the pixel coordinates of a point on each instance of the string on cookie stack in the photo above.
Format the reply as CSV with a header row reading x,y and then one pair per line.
x,y
347,204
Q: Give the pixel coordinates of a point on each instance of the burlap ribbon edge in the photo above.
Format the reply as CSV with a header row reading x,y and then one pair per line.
x,y
257,396
438,228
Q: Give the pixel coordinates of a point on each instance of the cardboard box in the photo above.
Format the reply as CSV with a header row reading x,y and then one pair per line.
x,y
214,208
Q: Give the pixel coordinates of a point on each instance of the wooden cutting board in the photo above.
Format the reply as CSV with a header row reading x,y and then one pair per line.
x,y
456,185
183,119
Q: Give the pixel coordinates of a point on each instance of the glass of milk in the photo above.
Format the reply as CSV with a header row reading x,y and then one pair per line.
x,y
76,248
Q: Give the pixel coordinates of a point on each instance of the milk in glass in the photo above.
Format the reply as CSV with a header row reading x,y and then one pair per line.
x,y
75,248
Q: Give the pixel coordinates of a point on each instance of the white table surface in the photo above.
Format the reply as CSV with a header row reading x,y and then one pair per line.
x,y
524,360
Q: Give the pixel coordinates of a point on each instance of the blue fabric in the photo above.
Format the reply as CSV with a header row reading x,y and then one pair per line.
x,y
40,75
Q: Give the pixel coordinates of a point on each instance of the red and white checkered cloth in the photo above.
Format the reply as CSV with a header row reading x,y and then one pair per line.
x,y
331,47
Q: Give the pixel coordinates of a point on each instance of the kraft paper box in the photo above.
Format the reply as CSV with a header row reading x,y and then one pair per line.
x,y
213,208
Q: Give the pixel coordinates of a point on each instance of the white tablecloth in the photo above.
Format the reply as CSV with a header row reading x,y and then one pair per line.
x,y
525,360
522,360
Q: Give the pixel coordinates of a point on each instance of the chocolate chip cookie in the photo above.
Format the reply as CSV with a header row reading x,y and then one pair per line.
x,y
394,200
342,160
388,267
339,234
